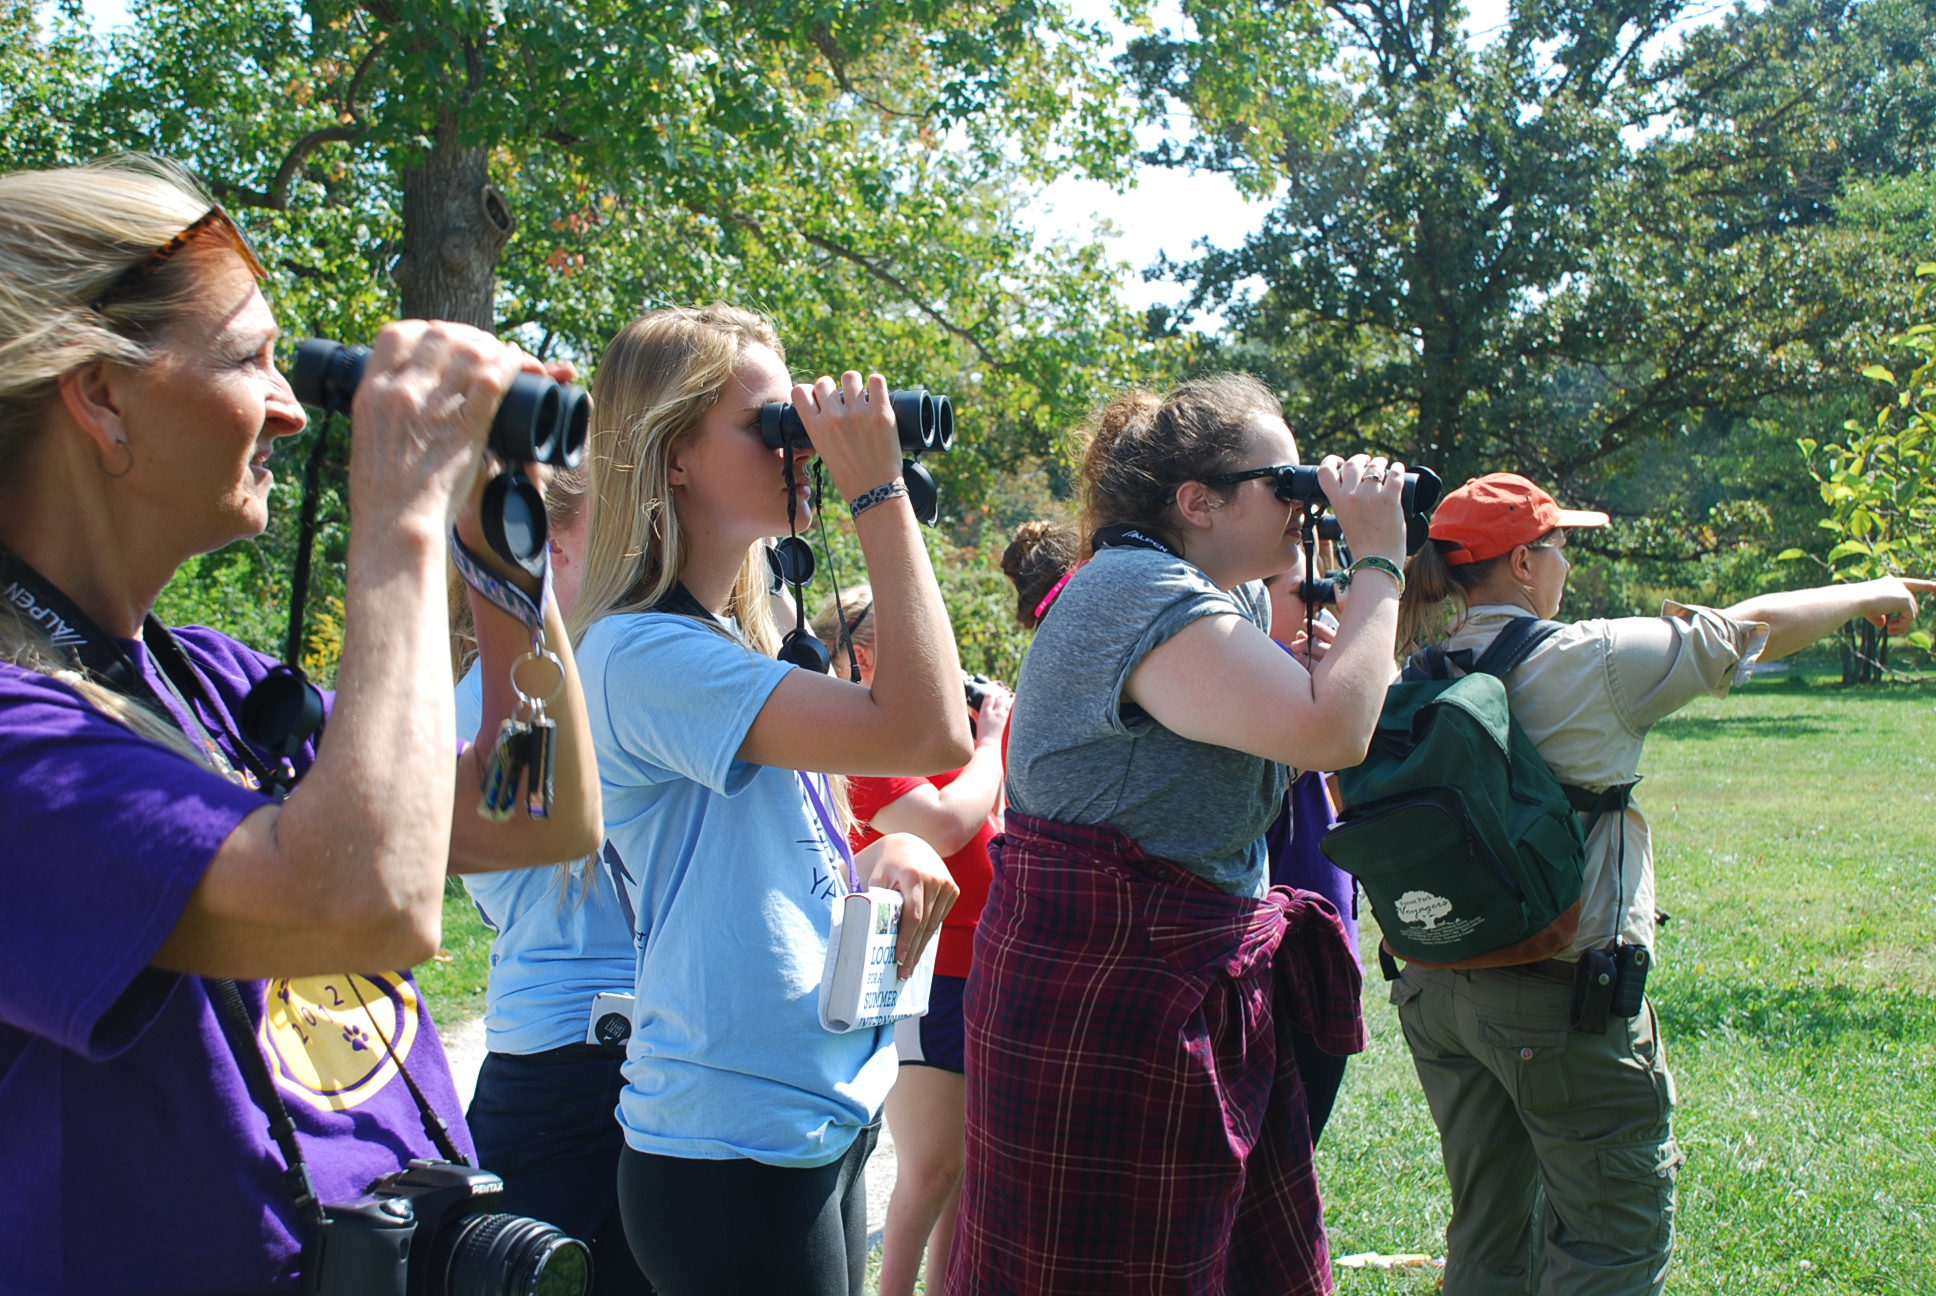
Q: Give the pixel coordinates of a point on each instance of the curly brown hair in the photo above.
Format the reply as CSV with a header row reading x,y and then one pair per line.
x,y
1144,445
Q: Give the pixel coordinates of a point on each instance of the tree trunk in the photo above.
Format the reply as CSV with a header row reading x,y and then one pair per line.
x,y
1441,391
455,224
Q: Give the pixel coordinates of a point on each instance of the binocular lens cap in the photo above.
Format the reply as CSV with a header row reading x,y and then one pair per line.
x,y
514,521
791,560
282,712
801,649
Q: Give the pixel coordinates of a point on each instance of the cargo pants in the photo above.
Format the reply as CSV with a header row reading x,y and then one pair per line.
x,y
1557,1142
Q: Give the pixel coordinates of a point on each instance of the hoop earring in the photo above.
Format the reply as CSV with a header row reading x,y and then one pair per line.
x,y
127,468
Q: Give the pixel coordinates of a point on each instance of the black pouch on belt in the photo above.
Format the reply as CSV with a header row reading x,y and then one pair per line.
x,y
1632,963
1594,981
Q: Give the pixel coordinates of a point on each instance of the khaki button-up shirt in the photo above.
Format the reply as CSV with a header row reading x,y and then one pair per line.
x,y
1587,697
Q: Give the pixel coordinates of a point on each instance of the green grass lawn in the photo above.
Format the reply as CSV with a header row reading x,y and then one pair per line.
x,y
1795,835
453,983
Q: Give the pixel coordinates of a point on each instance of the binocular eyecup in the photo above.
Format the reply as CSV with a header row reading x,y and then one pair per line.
x,y
539,420
924,420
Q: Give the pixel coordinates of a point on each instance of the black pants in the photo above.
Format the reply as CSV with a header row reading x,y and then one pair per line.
x,y
741,1228
546,1124
1322,1074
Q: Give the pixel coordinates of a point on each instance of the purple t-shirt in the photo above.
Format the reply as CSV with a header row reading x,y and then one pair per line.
x,y
131,1156
1296,860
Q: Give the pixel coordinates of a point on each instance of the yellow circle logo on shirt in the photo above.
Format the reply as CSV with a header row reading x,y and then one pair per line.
x,y
325,1035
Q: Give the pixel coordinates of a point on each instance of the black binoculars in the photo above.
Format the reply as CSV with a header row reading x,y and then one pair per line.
x,y
1299,484
539,421
926,423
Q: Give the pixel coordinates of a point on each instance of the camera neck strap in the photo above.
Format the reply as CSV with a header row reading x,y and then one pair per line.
x,y
89,648
1122,536
227,998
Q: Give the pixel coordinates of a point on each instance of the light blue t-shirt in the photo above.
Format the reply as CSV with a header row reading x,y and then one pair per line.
x,y
736,869
560,940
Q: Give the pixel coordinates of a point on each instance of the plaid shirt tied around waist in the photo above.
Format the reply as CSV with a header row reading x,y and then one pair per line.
x,y
1135,1121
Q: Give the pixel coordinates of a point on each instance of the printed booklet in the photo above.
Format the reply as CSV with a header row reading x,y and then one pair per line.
x,y
858,988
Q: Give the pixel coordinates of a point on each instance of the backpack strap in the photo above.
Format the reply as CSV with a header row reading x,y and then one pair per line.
x,y
1515,640
1428,663
1511,646
1598,803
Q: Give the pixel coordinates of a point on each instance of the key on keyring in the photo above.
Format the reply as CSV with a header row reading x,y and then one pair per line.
x,y
510,756
540,769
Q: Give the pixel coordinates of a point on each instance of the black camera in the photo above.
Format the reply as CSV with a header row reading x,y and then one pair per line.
x,y
540,421
427,1231
925,422
976,686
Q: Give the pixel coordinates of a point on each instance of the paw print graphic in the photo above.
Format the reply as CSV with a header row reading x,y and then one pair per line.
x,y
356,1038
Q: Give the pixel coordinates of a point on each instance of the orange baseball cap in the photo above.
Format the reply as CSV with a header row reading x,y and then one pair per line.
x,y
1488,515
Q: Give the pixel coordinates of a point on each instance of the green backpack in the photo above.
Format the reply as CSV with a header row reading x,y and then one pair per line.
x,y
1468,847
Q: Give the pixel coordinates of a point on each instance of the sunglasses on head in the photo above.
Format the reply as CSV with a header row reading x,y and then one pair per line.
x,y
215,218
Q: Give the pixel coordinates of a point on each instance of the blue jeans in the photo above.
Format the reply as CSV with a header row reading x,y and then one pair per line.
x,y
546,1124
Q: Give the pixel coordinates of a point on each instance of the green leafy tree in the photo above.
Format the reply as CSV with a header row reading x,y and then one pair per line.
x,y
546,167
46,69
1580,250
1879,481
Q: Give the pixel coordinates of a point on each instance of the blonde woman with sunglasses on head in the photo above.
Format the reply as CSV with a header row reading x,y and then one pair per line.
x,y
139,410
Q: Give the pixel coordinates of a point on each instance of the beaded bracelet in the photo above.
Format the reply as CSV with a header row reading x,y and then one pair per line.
x,y
896,489
498,591
1373,562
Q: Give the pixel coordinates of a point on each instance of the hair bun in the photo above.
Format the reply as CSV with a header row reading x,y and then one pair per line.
x,y
1128,415
1040,555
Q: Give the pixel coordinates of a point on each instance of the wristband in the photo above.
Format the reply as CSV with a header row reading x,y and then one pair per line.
x,y
499,592
1372,562
896,489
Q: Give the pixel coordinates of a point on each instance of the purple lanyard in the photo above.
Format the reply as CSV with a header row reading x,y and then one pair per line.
x,y
811,782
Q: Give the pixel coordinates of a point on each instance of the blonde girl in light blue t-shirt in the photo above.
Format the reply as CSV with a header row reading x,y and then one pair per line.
x,y
746,1122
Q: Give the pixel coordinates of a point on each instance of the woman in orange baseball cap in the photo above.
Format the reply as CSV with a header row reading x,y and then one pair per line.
x,y
1527,1092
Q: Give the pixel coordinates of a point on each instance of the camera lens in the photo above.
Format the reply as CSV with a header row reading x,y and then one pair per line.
x,y
509,1255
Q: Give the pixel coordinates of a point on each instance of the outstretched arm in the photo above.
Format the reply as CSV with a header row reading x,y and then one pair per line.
x,y
1797,618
